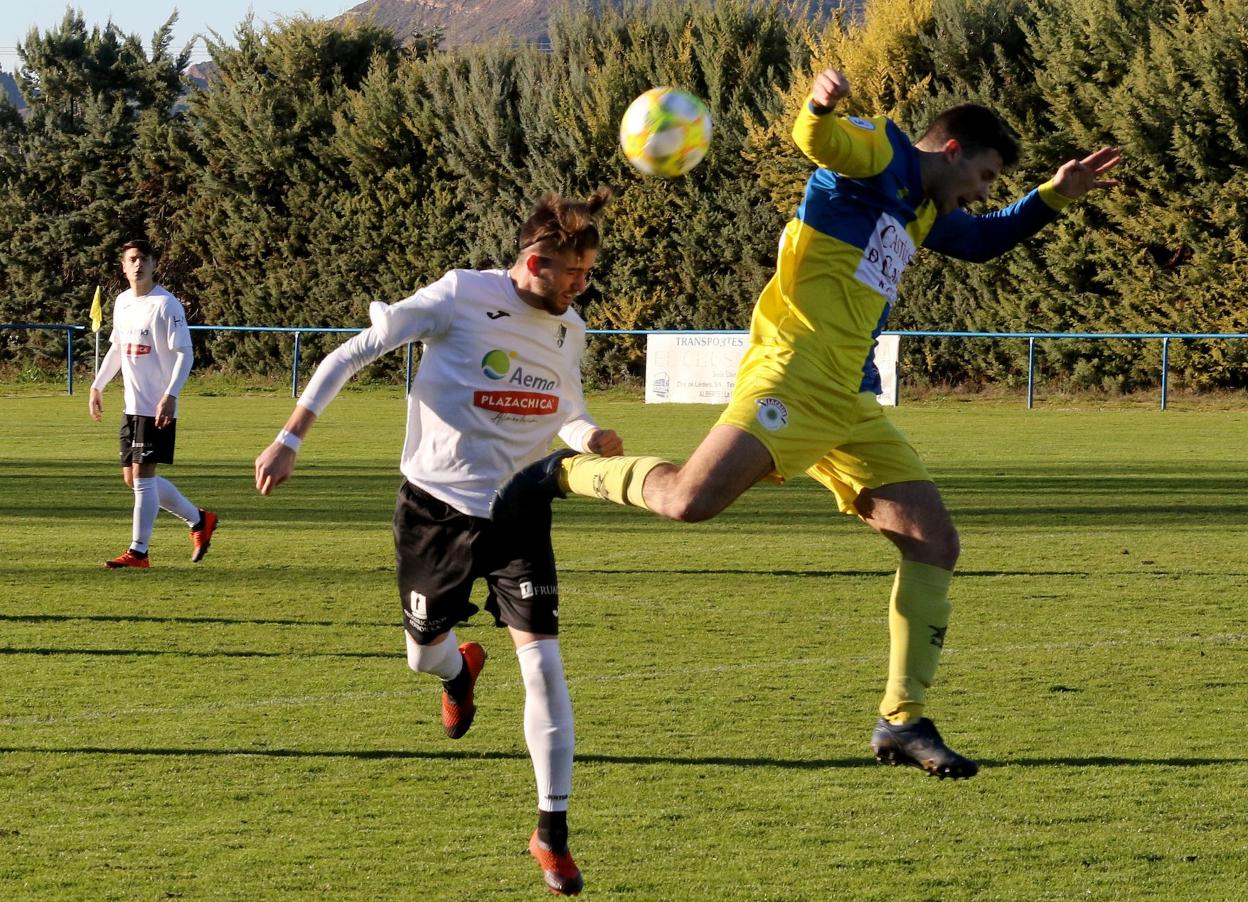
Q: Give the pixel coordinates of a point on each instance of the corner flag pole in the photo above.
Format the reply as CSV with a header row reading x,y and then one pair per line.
x,y
97,320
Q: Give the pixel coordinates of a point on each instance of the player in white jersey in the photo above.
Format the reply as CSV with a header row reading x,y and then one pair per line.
x,y
498,379
150,346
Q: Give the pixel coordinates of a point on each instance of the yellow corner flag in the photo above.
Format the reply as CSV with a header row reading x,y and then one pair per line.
x,y
97,312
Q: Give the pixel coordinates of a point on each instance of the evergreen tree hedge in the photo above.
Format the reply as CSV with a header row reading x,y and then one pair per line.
x,y
322,168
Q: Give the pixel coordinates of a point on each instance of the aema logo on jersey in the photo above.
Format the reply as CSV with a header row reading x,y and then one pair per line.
x,y
497,364
536,401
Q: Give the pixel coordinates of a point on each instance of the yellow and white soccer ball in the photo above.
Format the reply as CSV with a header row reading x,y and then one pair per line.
x,y
665,132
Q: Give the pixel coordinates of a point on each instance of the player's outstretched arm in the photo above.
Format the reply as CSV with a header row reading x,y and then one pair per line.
x,y
1076,178
276,463
982,236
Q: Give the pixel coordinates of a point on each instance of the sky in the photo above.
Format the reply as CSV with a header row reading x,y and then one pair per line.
x,y
143,17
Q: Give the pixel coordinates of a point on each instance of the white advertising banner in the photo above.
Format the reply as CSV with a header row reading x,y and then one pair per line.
x,y
701,367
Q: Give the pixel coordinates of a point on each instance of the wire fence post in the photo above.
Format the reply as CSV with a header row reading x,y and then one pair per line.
x,y
69,361
294,369
1165,369
1031,372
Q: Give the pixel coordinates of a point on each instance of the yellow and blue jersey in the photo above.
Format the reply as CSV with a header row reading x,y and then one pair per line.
x,y
862,218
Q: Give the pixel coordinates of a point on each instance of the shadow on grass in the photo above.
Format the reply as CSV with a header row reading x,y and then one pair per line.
x,y
335,574
338,493
292,571
141,618
177,653
664,760
806,574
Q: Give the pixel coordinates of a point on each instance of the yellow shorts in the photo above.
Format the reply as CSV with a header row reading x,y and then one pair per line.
x,y
840,438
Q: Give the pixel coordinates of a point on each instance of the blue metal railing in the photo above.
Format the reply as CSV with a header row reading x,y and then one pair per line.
x,y
1163,337
69,331
298,331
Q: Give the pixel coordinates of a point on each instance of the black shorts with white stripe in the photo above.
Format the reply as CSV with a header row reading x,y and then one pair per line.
x,y
441,552
143,443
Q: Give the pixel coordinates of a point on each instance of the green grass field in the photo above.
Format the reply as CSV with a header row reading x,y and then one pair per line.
x,y
247,728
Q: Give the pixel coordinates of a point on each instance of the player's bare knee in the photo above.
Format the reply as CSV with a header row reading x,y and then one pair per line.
x,y
935,539
701,498
938,546
688,507
947,546
680,510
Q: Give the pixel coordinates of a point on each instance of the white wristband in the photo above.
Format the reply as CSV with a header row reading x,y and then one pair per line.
x,y
289,439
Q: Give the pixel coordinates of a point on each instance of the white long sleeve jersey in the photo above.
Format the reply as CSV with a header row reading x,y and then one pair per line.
x,y
497,381
148,332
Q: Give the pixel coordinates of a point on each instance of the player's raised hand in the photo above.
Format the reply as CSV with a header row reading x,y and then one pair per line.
x,y
95,404
274,466
830,86
1077,177
606,442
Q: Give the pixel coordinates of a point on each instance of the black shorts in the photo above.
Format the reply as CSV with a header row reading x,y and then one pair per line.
x,y
441,552
143,443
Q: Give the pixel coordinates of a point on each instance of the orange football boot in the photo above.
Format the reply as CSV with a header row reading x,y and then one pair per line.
x,y
563,877
457,713
128,559
200,538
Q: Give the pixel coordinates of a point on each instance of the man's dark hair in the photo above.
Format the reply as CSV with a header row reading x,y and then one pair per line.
x,y
559,225
977,129
142,245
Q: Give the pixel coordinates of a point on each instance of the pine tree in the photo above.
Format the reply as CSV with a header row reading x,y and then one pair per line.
x,y
68,190
324,167
263,216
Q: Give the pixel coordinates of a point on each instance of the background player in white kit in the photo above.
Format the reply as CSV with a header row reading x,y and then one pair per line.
x,y
499,377
150,346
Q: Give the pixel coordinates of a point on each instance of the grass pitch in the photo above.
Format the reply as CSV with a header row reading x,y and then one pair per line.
x,y
247,728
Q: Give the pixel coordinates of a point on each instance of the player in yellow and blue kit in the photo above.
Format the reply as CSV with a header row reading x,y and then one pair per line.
x,y
804,400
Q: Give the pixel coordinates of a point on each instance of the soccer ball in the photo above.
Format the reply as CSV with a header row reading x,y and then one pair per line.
x,y
665,132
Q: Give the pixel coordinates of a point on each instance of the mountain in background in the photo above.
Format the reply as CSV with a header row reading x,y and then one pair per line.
x,y
201,73
8,86
477,21
460,21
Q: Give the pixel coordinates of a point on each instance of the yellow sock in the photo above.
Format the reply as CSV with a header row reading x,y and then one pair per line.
x,y
617,479
918,616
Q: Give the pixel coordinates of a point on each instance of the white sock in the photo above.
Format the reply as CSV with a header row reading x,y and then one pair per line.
x,y
146,507
442,660
548,722
175,502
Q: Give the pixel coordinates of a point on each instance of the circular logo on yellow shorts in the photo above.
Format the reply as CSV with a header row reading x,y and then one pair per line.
x,y
772,414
